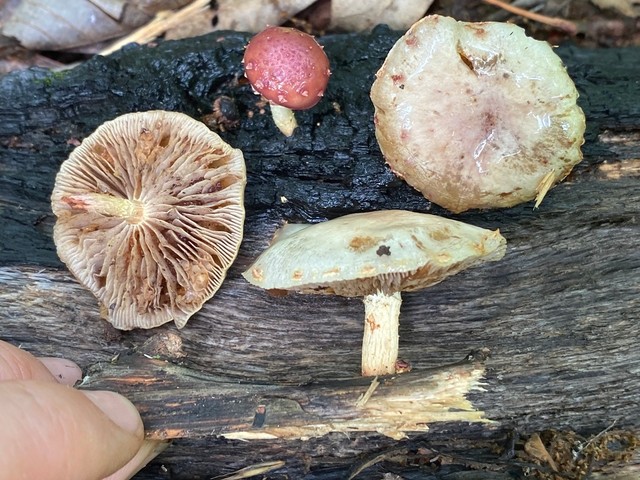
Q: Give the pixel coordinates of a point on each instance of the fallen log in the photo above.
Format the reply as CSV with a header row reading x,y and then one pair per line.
x,y
559,314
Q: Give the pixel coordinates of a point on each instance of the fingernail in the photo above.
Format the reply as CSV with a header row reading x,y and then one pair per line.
x,y
120,410
65,371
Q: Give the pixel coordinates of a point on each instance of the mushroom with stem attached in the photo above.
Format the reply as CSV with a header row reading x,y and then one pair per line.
x,y
289,69
374,255
150,216
476,115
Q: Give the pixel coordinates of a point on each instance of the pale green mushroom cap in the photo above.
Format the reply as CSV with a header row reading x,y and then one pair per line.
x,y
361,254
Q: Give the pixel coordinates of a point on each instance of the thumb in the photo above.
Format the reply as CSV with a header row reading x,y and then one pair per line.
x,y
74,435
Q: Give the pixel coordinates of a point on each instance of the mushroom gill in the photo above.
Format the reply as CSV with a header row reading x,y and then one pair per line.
x,y
150,216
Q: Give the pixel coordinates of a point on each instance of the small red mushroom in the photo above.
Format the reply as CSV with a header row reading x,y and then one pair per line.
x,y
289,69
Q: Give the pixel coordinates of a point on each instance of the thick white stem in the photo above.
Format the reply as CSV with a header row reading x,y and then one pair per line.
x,y
380,342
284,119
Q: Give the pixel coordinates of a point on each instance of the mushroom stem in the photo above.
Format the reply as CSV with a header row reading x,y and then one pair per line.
x,y
108,205
284,119
380,342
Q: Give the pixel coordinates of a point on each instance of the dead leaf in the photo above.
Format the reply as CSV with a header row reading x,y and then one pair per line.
x,y
353,16
71,24
536,449
20,58
165,21
630,8
255,15
6,8
200,24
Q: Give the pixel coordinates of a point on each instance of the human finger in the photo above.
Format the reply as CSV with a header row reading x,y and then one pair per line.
x,y
150,449
75,434
63,370
16,364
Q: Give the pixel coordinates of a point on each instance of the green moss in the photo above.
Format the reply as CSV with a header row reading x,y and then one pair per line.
x,y
53,77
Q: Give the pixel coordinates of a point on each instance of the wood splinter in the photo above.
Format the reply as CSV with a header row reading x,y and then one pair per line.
x,y
176,404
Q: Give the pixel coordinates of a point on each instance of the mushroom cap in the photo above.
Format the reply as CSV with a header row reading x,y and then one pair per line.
x,y
476,115
364,253
287,67
150,216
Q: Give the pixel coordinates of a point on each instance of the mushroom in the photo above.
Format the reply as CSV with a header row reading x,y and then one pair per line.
x,y
476,115
150,216
376,256
289,69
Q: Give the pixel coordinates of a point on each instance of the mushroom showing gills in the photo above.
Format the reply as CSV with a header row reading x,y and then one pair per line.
x,y
289,69
476,115
150,216
374,255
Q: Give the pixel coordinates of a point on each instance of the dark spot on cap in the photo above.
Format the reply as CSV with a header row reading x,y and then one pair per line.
x,y
383,250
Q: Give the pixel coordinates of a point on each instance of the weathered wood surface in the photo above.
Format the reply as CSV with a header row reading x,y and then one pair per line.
x,y
391,405
560,313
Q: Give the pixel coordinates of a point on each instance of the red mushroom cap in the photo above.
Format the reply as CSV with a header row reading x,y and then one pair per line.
x,y
287,67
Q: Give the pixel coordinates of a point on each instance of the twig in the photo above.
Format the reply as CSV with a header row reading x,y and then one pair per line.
x,y
252,471
368,462
162,22
364,398
560,23
592,439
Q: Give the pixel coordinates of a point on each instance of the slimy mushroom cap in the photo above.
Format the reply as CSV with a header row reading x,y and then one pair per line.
x,y
287,67
150,216
476,115
363,253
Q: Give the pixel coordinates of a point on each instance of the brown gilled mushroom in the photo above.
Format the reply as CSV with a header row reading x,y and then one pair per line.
x,y
150,216
376,256
476,115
